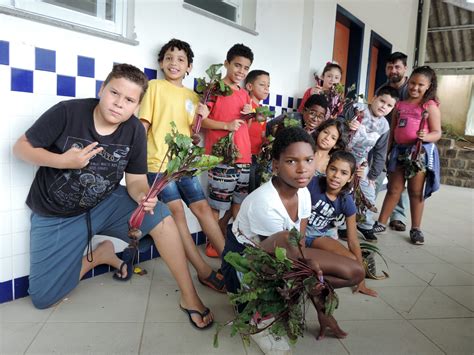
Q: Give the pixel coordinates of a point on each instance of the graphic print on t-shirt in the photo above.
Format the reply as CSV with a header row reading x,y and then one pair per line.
x,y
86,187
322,214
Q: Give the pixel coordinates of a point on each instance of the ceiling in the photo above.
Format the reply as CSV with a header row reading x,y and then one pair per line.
x,y
450,36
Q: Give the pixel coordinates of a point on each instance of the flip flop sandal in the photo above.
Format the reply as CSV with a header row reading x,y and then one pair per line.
x,y
215,281
190,312
128,257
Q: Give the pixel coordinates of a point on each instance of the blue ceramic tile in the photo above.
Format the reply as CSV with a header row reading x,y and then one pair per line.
x,y
290,102
195,84
98,84
4,52
21,287
154,252
144,255
21,80
272,108
101,269
88,275
85,66
66,86
6,291
45,59
278,100
267,100
151,73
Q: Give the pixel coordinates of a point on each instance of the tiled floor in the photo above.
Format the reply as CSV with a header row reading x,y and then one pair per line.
x,y
425,307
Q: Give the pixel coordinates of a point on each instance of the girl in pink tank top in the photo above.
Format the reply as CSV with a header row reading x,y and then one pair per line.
x,y
405,132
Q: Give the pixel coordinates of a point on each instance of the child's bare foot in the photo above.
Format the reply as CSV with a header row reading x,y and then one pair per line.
x,y
331,323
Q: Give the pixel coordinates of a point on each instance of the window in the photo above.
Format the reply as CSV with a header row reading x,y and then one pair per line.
x,y
237,13
112,17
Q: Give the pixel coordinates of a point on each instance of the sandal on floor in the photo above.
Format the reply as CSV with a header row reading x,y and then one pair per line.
x,y
190,312
128,256
398,226
215,281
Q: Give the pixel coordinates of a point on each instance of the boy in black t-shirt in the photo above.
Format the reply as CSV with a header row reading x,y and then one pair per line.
x,y
83,149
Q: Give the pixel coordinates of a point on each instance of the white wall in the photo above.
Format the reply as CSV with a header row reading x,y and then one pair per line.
x,y
295,39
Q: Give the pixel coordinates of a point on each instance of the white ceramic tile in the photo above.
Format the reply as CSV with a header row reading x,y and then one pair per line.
x,y
6,269
5,78
85,87
5,151
66,62
19,126
5,197
21,265
22,174
5,222
44,83
103,66
42,103
18,197
20,243
20,220
5,245
22,55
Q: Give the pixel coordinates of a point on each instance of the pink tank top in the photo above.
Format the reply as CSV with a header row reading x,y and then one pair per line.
x,y
408,121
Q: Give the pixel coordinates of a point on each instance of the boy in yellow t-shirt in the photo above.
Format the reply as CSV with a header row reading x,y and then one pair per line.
x,y
167,100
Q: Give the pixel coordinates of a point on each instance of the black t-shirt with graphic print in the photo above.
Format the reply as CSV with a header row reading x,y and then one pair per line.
x,y
70,192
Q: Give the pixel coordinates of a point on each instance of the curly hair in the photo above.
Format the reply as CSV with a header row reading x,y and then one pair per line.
x,y
287,136
239,50
430,74
130,73
181,45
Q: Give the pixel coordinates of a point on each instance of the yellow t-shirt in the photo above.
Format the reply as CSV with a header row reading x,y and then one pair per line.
x,y
164,102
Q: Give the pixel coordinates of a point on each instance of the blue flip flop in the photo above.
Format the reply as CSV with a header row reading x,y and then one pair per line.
x,y
190,312
128,256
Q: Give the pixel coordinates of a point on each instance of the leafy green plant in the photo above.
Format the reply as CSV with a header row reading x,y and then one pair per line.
x,y
226,149
208,90
261,114
277,285
184,159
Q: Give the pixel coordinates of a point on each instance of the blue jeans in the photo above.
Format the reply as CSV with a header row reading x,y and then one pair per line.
x,y
187,189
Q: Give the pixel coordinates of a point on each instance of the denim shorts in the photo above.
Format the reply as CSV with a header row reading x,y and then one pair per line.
x,y
331,233
187,188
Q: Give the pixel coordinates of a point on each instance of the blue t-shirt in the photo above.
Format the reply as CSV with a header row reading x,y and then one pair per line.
x,y
327,214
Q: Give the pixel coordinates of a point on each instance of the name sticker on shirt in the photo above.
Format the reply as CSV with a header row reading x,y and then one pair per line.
x,y
189,106
402,122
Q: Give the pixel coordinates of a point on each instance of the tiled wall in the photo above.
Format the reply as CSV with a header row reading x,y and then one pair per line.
x,y
33,79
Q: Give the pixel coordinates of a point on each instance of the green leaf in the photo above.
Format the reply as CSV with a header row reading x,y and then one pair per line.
x,y
294,237
280,253
173,165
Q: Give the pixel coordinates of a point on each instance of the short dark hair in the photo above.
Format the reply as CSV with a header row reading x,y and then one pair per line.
x,y
397,56
388,90
428,72
130,73
346,156
287,136
317,99
254,74
181,45
239,50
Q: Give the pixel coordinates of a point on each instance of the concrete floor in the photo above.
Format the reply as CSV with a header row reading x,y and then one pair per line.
x,y
425,307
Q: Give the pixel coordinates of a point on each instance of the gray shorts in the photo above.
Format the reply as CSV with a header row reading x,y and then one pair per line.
x,y
57,243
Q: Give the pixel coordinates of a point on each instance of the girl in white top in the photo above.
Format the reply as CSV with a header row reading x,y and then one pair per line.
x,y
270,212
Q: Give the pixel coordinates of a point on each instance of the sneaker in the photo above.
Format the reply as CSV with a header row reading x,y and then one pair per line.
x,y
379,228
342,234
417,237
211,251
271,344
397,225
367,234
